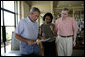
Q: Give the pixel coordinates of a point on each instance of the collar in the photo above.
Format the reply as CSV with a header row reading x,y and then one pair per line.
x,y
28,20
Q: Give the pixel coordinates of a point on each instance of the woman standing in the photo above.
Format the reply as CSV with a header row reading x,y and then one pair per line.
x,y
47,31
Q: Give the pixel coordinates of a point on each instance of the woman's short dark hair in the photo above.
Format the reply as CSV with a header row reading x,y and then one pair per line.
x,y
48,14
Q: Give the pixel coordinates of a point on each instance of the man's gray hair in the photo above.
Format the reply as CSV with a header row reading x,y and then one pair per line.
x,y
33,9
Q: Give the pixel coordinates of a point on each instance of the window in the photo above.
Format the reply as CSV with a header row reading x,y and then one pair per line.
x,y
9,31
1,34
9,5
8,18
1,18
1,4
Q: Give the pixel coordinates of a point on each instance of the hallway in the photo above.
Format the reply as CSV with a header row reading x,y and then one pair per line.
x,y
14,11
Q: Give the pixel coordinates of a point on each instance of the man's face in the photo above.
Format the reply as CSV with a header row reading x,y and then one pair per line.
x,y
64,13
35,16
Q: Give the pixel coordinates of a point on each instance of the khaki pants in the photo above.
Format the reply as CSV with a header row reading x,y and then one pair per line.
x,y
64,46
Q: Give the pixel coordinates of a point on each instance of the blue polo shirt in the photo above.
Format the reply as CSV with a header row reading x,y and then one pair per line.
x,y
29,30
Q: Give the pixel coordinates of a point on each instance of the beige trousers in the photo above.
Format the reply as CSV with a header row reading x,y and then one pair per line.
x,y
64,46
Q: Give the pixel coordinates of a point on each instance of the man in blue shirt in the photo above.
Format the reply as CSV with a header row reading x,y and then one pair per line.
x,y
27,32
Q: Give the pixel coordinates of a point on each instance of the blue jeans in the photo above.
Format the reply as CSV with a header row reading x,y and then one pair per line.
x,y
29,49
36,50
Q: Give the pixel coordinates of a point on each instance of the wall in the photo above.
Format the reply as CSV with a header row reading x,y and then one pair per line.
x,y
24,9
44,6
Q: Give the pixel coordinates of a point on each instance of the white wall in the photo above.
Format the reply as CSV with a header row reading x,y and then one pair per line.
x,y
24,9
44,6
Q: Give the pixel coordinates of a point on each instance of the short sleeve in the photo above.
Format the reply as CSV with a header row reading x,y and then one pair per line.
x,y
53,25
20,28
75,25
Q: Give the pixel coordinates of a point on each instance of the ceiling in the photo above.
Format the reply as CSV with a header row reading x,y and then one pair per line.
x,y
69,3
48,6
58,3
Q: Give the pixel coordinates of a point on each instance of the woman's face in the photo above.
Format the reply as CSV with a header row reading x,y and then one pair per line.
x,y
47,19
